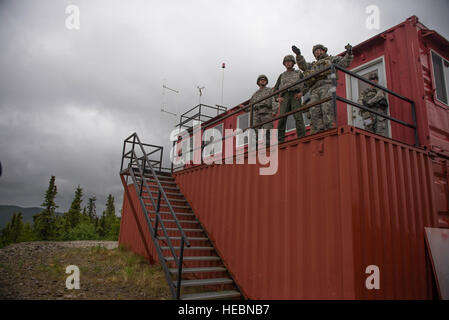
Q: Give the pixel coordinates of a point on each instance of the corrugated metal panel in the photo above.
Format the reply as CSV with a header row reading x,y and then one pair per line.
x,y
441,190
338,203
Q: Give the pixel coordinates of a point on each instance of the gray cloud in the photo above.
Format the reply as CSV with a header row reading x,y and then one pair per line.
x,y
69,98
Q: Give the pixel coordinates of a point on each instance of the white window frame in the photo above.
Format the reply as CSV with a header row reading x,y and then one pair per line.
x,y
446,81
242,135
349,92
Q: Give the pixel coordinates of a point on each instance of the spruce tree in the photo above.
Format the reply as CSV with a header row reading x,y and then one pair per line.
x,y
92,209
109,224
74,214
13,230
45,220
110,207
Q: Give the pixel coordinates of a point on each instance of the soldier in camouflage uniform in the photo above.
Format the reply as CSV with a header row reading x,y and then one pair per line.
x,y
375,99
266,109
321,116
290,99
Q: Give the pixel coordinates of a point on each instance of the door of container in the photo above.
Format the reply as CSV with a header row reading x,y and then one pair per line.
x,y
356,87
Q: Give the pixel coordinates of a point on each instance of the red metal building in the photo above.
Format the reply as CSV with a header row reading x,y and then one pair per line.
x,y
342,200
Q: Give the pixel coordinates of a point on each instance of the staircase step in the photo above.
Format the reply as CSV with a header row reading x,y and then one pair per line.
x,y
161,181
177,194
188,238
211,295
175,206
185,230
153,183
200,269
187,214
159,176
180,221
189,248
165,188
195,258
204,282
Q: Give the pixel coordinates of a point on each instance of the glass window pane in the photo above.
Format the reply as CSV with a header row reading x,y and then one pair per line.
x,y
242,123
439,77
217,139
291,123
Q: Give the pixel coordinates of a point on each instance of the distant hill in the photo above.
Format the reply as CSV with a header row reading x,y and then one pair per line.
x,y
6,213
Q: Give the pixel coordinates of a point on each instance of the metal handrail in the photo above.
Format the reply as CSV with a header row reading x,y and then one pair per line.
x,y
143,182
333,68
186,119
153,234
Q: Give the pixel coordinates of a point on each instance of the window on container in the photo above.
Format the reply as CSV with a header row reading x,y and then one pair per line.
x,y
291,121
186,148
441,77
242,123
213,138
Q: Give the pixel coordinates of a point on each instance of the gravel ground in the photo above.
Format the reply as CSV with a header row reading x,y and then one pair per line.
x,y
36,270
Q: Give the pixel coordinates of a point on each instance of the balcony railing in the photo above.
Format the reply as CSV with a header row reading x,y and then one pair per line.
x,y
334,98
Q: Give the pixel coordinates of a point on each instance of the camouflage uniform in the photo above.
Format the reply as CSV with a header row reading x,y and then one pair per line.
x,y
263,110
375,99
321,116
290,103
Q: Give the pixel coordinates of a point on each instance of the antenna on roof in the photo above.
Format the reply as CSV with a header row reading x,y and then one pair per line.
x,y
173,114
164,87
201,92
223,66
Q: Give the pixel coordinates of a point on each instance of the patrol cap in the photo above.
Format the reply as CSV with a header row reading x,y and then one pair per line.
x,y
262,76
289,57
373,76
319,46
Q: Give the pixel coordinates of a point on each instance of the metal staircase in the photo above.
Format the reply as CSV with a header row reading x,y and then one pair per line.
x,y
192,266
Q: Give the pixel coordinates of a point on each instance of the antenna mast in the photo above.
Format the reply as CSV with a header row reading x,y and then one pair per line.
x,y
223,66
200,89
164,87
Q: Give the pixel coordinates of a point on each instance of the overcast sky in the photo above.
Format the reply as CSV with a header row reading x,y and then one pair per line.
x,y
68,98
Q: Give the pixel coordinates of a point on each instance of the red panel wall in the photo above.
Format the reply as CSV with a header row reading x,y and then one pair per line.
x,y
134,232
338,203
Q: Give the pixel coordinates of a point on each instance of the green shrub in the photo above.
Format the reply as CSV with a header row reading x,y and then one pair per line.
x,y
84,230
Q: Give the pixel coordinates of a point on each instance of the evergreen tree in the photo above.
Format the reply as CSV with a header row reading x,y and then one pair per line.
x,y
16,231
45,220
62,228
27,233
13,229
110,207
92,209
109,224
74,214
101,226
